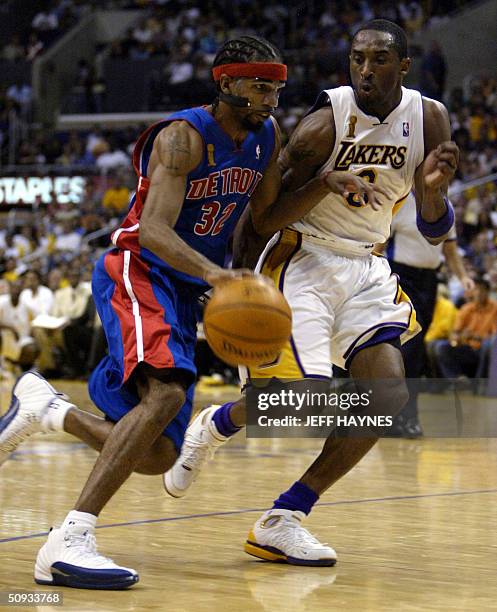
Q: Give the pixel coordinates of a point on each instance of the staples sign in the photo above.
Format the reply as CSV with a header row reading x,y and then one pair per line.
x,y
25,190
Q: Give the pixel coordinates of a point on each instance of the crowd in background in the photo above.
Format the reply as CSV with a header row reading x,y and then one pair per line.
x,y
50,20
57,242
184,36
169,24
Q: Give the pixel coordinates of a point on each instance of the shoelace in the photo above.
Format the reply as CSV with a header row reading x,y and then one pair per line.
x,y
88,543
195,452
300,536
62,396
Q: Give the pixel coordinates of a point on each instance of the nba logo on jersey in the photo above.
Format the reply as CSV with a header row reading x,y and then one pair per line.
x,y
257,152
405,129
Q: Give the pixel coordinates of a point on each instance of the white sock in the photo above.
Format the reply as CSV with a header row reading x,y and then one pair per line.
x,y
80,519
53,419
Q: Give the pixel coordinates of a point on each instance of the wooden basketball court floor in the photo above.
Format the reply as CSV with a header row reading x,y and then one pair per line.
x,y
414,526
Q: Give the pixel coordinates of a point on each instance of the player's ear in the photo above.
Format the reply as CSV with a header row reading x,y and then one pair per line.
x,y
224,83
405,64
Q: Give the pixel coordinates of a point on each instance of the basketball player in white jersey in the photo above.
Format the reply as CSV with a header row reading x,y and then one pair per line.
x,y
347,306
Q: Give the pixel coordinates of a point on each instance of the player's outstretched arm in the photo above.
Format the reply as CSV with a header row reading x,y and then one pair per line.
x,y
310,146
435,215
306,178
178,149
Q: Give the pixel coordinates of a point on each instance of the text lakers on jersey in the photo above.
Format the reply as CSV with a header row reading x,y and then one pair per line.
x,y
371,154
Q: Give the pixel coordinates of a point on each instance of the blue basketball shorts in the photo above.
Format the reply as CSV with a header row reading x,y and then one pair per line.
x,y
147,318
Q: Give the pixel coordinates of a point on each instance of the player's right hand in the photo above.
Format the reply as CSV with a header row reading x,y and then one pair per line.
x,y
220,276
345,183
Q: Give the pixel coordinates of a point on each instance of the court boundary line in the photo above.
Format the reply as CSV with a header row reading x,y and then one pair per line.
x,y
249,510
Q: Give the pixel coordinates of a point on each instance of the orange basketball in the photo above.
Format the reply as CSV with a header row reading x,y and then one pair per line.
x,y
247,321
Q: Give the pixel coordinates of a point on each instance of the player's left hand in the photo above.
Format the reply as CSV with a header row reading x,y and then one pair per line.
x,y
440,165
345,183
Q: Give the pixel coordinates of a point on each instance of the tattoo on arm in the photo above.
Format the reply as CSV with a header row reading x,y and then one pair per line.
x,y
177,145
298,155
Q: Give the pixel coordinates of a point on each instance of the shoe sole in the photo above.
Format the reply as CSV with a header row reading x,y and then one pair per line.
x,y
5,421
64,574
169,492
269,553
75,583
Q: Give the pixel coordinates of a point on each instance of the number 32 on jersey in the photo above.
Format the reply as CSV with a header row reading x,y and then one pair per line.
x,y
211,222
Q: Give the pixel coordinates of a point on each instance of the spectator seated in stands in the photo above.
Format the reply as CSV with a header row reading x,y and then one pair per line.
x,y
16,343
476,322
68,239
433,72
22,94
74,303
442,324
10,269
38,300
13,50
116,197
109,157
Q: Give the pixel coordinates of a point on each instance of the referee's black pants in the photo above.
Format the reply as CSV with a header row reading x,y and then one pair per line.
x,y
420,284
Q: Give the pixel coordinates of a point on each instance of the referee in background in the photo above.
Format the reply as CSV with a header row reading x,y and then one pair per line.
x,y
417,262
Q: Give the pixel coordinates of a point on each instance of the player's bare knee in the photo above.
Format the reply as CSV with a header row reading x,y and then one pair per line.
x,y
387,396
172,394
162,402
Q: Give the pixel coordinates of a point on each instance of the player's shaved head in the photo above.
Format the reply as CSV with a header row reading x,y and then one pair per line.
x,y
399,38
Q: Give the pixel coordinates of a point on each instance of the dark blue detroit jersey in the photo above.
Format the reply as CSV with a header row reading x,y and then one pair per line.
x,y
216,194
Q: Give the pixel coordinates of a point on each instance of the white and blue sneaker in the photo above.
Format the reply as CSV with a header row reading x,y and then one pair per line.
x,y
69,558
202,439
278,536
35,407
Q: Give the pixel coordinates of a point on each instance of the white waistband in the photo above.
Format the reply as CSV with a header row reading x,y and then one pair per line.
x,y
342,246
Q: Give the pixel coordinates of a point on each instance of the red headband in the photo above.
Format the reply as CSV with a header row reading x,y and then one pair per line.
x,y
261,70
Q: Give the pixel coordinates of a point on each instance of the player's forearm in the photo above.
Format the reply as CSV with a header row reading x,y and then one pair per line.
x,y
290,207
169,247
433,205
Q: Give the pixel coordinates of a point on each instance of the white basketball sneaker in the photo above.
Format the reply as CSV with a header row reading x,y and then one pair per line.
x,y
279,536
35,407
202,439
69,558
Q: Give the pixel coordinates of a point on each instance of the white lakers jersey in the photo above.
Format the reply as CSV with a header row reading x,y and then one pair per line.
x,y
386,153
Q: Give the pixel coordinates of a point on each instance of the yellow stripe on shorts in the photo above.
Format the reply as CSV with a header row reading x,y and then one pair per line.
x,y
413,327
274,266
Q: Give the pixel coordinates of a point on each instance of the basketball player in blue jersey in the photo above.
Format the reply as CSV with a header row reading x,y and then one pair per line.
x,y
347,307
196,172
